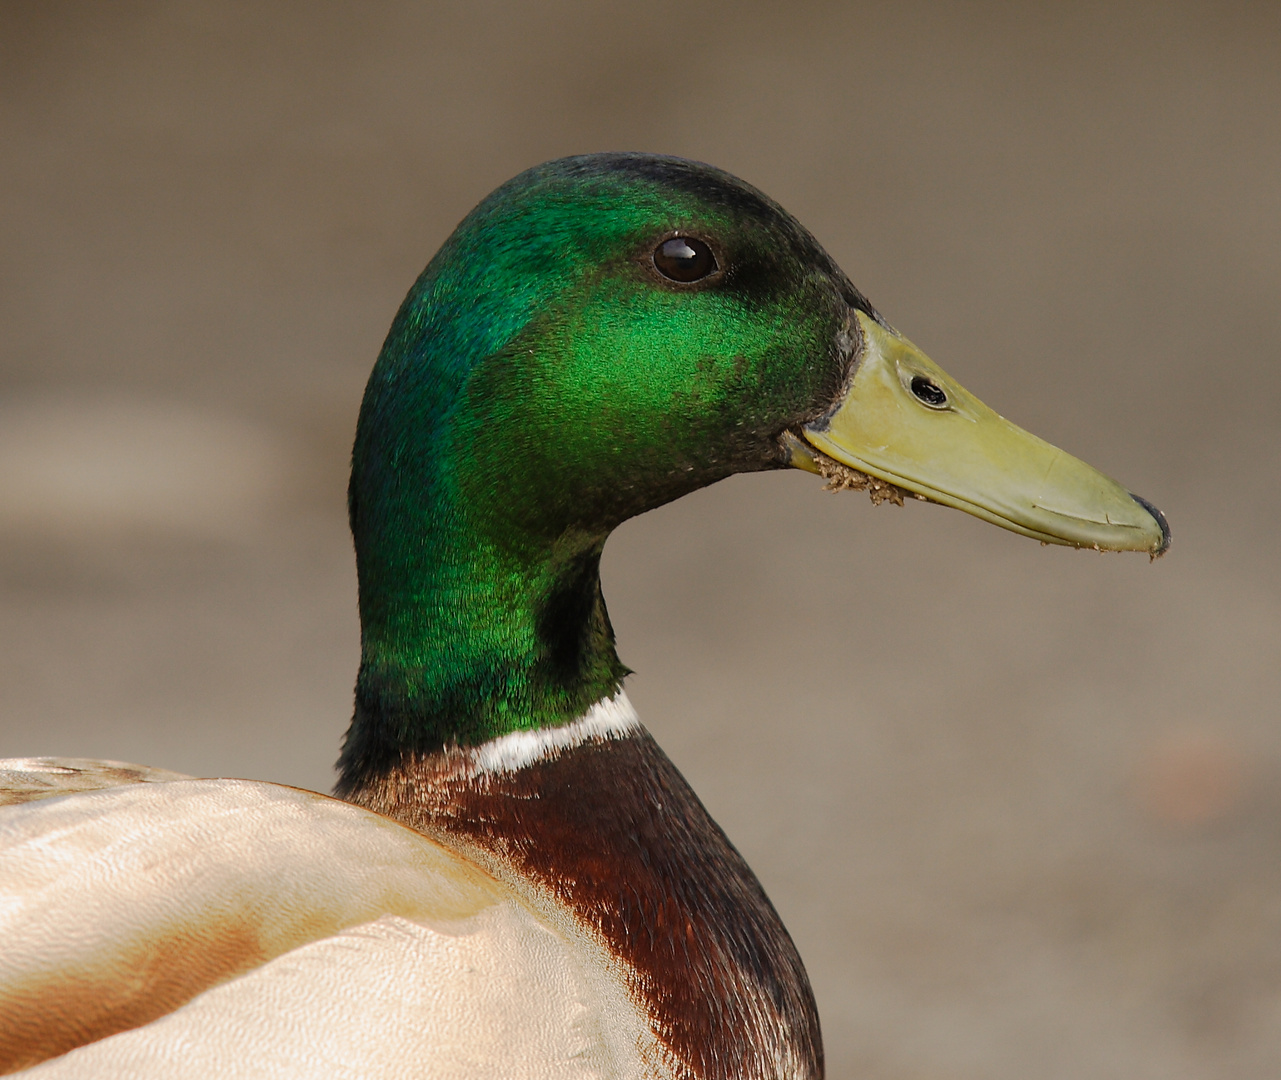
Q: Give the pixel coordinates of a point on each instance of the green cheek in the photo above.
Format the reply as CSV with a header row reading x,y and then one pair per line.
x,y
672,370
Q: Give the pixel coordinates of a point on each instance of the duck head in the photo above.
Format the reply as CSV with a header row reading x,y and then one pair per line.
x,y
601,335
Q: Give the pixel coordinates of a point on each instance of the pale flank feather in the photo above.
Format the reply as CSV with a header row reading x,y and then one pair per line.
x,y
294,935
25,779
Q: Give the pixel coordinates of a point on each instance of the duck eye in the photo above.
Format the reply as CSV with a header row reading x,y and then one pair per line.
x,y
928,392
684,259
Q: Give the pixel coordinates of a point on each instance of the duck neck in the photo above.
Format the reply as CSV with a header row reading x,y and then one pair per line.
x,y
470,630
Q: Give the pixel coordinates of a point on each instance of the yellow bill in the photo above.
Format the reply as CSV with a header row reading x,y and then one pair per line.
x,y
904,421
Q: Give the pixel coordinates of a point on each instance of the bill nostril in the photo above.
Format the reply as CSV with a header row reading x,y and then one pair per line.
x,y
928,392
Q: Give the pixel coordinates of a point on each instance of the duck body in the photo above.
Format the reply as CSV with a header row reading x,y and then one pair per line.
x,y
514,880
237,929
618,932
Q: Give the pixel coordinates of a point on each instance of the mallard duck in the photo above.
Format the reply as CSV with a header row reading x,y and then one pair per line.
x,y
512,878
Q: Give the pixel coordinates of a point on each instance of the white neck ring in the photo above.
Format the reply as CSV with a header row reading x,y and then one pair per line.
x,y
609,718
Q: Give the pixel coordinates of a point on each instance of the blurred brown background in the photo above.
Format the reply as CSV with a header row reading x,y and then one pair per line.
x,y
1020,807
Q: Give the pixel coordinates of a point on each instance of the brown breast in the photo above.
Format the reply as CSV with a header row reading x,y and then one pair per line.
x,y
611,829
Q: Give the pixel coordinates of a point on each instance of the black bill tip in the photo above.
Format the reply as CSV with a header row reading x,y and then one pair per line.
x,y
1160,520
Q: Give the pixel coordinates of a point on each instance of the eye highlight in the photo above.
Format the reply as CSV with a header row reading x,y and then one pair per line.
x,y
685,259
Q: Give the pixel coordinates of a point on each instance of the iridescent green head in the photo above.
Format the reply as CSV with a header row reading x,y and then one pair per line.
x,y
603,334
